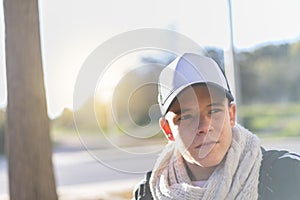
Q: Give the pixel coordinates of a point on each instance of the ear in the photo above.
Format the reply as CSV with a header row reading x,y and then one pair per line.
x,y
164,124
232,114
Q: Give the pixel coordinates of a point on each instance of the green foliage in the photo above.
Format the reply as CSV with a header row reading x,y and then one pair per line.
x,y
87,119
270,74
65,120
271,119
135,96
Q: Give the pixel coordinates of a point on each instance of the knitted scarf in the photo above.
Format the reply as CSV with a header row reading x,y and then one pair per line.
x,y
236,177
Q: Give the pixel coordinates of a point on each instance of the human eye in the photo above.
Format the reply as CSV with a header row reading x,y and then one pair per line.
x,y
185,117
215,110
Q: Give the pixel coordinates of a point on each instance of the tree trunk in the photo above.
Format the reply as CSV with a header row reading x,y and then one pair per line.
x,y
29,146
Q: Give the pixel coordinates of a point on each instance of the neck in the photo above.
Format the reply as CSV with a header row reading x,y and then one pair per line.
x,y
198,173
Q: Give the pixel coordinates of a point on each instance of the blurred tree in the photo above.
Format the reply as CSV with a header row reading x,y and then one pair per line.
x,y
90,118
135,94
29,146
295,49
217,54
64,121
270,74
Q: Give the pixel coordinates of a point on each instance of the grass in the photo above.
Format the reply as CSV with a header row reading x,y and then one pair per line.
x,y
265,120
275,120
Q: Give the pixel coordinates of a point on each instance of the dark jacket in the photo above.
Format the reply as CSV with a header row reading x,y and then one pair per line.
x,y
279,178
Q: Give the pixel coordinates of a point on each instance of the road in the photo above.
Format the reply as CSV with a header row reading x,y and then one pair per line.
x,y
77,168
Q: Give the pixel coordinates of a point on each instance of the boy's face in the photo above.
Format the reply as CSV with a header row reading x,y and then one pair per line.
x,y
201,122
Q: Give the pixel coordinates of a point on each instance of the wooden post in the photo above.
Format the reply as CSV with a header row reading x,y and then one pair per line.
x,y
29,146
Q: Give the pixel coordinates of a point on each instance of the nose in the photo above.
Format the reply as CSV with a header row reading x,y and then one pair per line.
x,y
204,126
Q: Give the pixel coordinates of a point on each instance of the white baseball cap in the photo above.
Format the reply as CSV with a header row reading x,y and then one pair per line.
x,y
185,71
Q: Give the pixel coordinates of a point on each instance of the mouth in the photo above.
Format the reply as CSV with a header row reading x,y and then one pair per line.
x,y
207,144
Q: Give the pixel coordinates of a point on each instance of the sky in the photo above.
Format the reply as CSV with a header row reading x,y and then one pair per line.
x,y
72,29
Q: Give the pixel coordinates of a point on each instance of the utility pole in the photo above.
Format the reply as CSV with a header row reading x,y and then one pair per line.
x,y
231,67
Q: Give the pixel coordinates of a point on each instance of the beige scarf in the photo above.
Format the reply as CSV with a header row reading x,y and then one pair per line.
x,y
236,177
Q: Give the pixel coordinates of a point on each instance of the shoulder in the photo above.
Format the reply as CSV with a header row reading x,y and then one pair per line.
x,y
279,175
280,160
142,190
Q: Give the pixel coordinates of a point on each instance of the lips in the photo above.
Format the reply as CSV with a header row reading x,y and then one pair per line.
x,y
206,144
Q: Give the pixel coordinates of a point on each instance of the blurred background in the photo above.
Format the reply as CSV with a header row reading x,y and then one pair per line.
x,y
90,159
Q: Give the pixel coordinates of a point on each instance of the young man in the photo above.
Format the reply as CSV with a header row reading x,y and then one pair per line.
x,y
209,156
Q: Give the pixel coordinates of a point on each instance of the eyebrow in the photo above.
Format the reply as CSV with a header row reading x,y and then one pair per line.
x,y
215,104
180,111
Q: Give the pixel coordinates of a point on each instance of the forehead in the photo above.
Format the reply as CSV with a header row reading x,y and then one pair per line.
x,y
198,94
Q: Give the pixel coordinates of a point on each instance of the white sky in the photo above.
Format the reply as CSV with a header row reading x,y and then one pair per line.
x,y
72,29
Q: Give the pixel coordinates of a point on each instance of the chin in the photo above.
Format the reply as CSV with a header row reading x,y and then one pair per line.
x,y
210,160
205,164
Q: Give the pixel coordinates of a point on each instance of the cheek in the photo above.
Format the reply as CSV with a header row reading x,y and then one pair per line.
x,y
183,138
227,134
222,130
219,120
